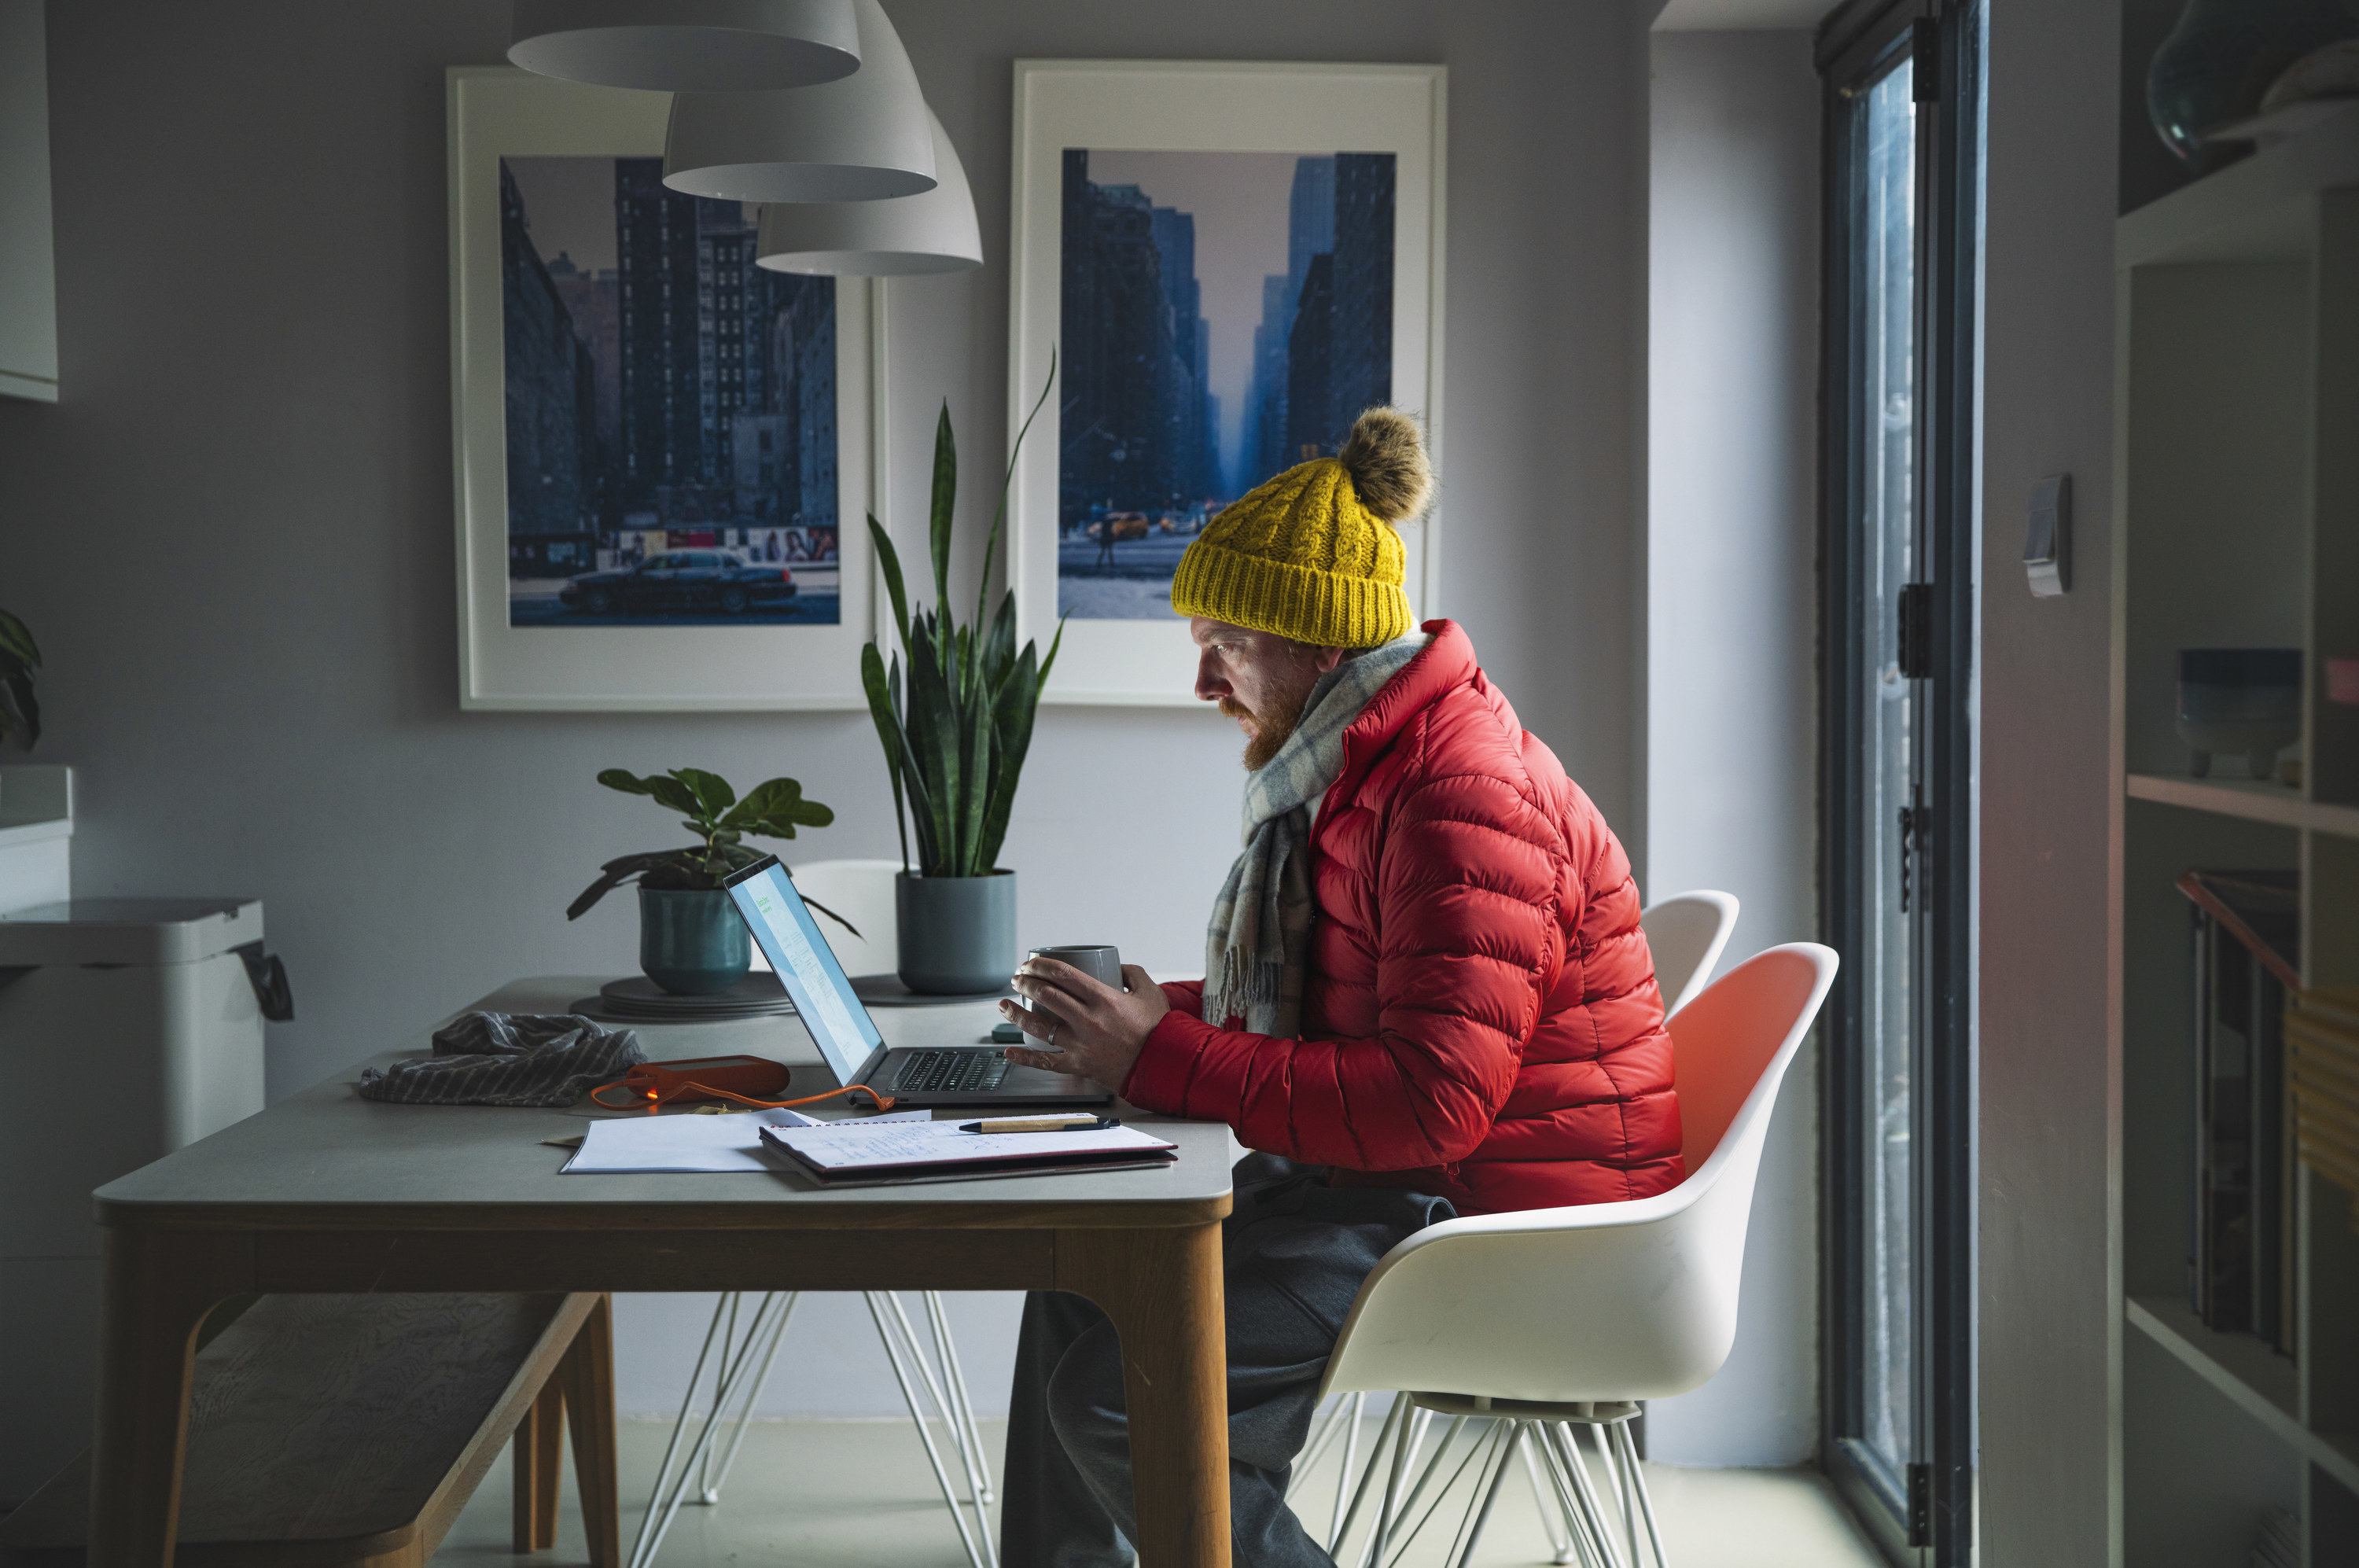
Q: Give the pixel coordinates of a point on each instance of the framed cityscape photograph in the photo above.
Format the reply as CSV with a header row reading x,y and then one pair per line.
x,y
1229,262
663,450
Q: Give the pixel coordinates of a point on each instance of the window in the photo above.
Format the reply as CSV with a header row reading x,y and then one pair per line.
x,y
1903,213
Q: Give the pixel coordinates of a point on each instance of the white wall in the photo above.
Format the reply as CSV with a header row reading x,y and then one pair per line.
x,y
1731,630
233,537
2046,1246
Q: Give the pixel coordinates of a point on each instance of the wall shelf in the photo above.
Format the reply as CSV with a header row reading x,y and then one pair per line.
x,y
2254,800
2237,385
2249,210
2262,1383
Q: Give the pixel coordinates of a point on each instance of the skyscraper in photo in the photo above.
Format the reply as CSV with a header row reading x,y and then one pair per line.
x,y
1121,410
550,399
1360,336
654,249
714,348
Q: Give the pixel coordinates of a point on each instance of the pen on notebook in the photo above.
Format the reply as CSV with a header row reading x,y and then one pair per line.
x,y
1043,1123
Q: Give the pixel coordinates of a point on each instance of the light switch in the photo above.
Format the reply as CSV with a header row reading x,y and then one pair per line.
x,y
2047,539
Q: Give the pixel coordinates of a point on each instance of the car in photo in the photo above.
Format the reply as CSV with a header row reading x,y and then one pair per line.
x,y
680,579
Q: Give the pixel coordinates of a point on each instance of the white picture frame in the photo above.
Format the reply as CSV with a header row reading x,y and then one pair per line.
x,y
1203,106
500,112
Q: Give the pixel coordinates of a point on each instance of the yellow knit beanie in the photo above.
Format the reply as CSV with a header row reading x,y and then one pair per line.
x,y
1312,555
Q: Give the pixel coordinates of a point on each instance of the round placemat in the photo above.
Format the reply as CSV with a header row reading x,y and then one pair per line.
x,y
640,1000
887,991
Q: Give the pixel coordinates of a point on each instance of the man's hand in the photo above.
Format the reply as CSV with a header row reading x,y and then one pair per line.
x,y
1098,1031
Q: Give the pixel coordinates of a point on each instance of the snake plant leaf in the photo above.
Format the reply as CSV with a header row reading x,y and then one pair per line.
x,y
890,560
934,742
917,722
1011,719
1007,486
999,648
1054,644
884,710
973,806
713,795
945,499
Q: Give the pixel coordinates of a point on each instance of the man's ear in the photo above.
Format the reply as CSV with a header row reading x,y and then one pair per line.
x,y
1326,658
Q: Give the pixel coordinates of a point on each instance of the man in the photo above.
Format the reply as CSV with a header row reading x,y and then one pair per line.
x,y
1426,993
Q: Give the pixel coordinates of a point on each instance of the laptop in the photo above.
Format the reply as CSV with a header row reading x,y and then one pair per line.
x,y
919,1078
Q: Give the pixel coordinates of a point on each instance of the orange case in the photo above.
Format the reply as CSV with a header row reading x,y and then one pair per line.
x,y
665,1082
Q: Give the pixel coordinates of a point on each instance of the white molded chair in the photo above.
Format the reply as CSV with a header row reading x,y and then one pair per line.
x,y
1685,933
1539,1321
742,1342
862,892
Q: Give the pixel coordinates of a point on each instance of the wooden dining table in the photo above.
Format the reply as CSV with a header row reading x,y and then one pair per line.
x,y
325,1191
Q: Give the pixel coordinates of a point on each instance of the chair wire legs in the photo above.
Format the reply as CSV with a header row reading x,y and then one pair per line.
x,y
742,1347
1607,1526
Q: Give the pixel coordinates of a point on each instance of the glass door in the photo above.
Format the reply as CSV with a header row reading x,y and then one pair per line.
x,y
1903,232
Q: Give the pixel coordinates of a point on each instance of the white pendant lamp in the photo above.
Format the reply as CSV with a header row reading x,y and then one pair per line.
x,y
688,46
932,232
864,138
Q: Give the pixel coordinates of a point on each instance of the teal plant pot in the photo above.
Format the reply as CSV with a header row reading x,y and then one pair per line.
x,y
693,944
957,933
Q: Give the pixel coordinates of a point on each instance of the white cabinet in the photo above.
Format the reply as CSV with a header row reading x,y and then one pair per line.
x,y
129,1028
28,281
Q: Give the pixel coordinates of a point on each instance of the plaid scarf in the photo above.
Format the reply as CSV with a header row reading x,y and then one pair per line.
x,y
507,1059
1255,949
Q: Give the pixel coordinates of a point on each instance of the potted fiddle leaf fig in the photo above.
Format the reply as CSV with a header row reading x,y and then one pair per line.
x,y
955,723
691,942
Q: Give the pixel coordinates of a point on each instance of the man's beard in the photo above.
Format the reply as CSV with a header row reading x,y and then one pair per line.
x,y
1275,726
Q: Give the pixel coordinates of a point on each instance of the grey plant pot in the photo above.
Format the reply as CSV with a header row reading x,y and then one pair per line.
x,y
693,944
957,933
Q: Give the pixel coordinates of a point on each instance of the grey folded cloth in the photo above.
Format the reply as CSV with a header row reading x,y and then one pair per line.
x,y
508,1059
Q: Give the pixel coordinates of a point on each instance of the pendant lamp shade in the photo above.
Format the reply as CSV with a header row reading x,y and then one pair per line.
x,y
934,231
864,138
688,46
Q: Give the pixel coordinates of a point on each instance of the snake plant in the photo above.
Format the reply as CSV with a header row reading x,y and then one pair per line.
x,y
956,731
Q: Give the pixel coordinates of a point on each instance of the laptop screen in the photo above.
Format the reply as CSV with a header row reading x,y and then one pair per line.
x,y
782,924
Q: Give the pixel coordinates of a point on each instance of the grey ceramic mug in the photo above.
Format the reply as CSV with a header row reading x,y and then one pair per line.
x,y
1100,964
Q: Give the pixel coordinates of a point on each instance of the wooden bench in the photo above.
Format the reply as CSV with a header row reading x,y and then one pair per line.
x,y
349,1430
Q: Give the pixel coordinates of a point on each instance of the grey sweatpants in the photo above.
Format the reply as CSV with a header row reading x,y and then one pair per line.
x,y
1294,1252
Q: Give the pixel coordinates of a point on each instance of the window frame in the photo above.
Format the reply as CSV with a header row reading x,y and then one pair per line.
x,y
1926,1519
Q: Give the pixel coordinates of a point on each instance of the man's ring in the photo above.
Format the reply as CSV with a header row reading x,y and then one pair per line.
x,y
1052,1033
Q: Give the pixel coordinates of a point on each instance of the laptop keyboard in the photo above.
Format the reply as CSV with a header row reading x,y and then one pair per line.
x,y
949,1071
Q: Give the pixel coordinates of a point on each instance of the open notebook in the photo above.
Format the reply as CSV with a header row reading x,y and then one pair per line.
x,y
870,1153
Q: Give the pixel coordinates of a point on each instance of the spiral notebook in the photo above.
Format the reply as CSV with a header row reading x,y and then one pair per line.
x,y
872,1153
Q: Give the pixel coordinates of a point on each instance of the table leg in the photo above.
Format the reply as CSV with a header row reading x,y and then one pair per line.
x,y
159,1285
539,1437
1162,1288
588,1374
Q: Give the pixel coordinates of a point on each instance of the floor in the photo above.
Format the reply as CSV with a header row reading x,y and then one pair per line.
x,y
817,1494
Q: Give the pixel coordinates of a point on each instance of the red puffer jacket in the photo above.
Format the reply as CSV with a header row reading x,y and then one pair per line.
x,y
1479,1020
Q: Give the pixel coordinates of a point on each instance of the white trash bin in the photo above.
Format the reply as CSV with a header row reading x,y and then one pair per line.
x,y
129,1028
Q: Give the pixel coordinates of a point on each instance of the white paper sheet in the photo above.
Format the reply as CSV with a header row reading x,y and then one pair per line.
x,y
864,1144
691,1143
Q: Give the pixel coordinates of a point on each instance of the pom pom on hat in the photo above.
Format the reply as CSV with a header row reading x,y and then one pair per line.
x,y
1386,458
1311,554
